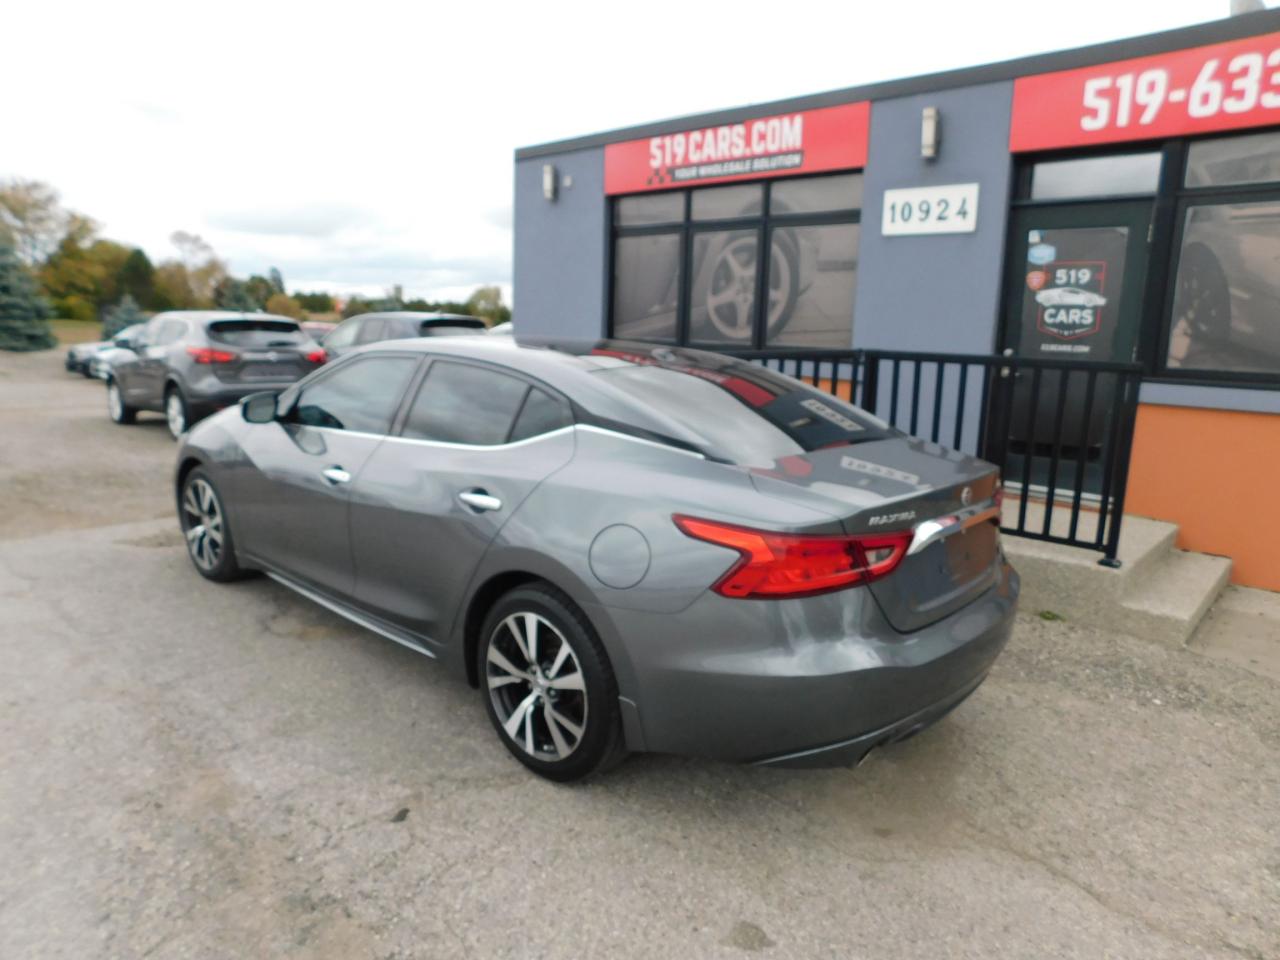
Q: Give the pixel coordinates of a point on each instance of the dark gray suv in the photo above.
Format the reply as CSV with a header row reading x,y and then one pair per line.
x,y
367,328
187,364
625,547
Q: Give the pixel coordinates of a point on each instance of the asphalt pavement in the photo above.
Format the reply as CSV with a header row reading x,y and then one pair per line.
x,y
201,771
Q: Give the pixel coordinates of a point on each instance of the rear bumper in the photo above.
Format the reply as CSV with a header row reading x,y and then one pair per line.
x,y
209,397
812,682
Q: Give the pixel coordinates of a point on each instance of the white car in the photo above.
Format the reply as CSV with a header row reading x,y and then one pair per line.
x,y
121,345
1069,297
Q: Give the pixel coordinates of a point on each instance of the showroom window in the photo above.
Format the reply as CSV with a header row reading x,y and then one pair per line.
x,y
688,269
1223,319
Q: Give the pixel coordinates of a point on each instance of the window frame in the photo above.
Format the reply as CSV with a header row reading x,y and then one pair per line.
x,y
418,380
763,223
1168,221
1181,199
288,399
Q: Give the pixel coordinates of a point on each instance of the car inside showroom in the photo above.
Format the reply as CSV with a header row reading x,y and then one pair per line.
x,y
1065,263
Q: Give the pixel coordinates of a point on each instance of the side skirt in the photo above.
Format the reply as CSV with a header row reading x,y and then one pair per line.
x,y
401,637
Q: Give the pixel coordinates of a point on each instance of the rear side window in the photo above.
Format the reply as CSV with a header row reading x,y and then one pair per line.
x,y
256,333
362,396
461,403
540,414
170,331
372,330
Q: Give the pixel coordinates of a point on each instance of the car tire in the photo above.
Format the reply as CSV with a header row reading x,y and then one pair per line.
x,y
206,529
176,411
556,710
117,408
1204,296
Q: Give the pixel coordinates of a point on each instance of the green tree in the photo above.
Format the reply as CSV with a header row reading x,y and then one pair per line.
x,y
81,275
285,306
24,316
137,279
124,314
173,286
315,302
486,303
233,294
259,289
32,220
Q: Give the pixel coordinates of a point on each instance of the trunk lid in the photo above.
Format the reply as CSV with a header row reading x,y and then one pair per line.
x,y
266,350
898,483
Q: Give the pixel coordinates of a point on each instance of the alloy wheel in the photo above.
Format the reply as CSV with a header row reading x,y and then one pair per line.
x,y
536,686
175,412
115,403
202,521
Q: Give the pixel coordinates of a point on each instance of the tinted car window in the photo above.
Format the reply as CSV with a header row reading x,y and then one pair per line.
x,y
540,414
740,412
445,330
361,396
460,403
257,333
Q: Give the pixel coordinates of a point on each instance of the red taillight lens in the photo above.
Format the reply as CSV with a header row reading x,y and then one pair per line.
x,y
210,355
317,356
796,565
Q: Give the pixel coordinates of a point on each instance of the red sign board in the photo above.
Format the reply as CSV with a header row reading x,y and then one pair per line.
x,y
1224,86
808,141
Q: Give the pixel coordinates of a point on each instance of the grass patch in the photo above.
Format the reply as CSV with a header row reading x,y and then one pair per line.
x,y
76,331
1050,615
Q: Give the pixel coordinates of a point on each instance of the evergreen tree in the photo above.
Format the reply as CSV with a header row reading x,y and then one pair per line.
x,y
277,280
24,316
232,294
124,314
137,279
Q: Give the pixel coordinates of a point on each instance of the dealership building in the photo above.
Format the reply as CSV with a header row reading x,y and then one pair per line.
x,y
1112,204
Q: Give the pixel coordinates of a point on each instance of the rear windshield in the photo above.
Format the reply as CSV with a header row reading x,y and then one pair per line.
x,y
448,330
257,333
744,413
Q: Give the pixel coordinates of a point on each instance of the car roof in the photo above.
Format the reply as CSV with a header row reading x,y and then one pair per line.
x,y
571,367
209,316
421,316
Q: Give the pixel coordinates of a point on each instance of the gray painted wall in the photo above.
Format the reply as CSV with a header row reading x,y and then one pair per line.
x,y
938,293
560,248
941,293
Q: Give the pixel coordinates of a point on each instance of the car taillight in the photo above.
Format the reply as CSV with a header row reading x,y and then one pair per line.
x,y
317,356
797,565
210,355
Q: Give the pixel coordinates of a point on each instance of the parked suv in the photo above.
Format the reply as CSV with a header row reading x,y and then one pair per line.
x,y
188,364
397,325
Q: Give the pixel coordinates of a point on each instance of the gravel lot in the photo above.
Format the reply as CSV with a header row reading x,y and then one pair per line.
x,y
199,771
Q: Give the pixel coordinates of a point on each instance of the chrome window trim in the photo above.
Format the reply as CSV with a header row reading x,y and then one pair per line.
x,y
447,445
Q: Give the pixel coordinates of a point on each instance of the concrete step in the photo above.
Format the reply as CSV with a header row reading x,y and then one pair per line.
x,y
1171,599
1158,592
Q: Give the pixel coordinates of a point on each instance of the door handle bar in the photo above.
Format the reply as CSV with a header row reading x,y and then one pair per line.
x,y
479,500
335,475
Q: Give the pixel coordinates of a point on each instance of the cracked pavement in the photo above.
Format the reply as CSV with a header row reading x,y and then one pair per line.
x,y
193,770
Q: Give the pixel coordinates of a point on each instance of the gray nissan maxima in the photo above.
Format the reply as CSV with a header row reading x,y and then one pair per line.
x,y
625,547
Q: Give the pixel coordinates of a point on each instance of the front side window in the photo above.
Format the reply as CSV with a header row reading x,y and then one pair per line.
x,y
345,335
372,329
463,403
361,396
690,266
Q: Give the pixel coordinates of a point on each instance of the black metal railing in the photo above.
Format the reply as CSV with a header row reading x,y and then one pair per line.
x,y
1061,431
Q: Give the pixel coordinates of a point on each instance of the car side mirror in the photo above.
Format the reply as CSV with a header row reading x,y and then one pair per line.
x,y
259,407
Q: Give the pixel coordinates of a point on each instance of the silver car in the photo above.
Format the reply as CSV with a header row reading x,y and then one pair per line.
x,y
624,547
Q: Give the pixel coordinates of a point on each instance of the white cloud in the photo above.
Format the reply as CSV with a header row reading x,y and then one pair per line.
x,y
372,144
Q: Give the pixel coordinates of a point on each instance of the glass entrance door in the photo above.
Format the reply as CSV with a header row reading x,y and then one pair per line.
x,y
1074,284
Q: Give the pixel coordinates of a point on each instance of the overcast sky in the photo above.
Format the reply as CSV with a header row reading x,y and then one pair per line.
x,y
358,145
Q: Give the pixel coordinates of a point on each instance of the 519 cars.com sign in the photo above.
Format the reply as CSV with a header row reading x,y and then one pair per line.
x,y
1223,86
807,141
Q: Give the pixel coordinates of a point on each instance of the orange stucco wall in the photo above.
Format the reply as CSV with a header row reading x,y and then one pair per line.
x,y
1215,473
